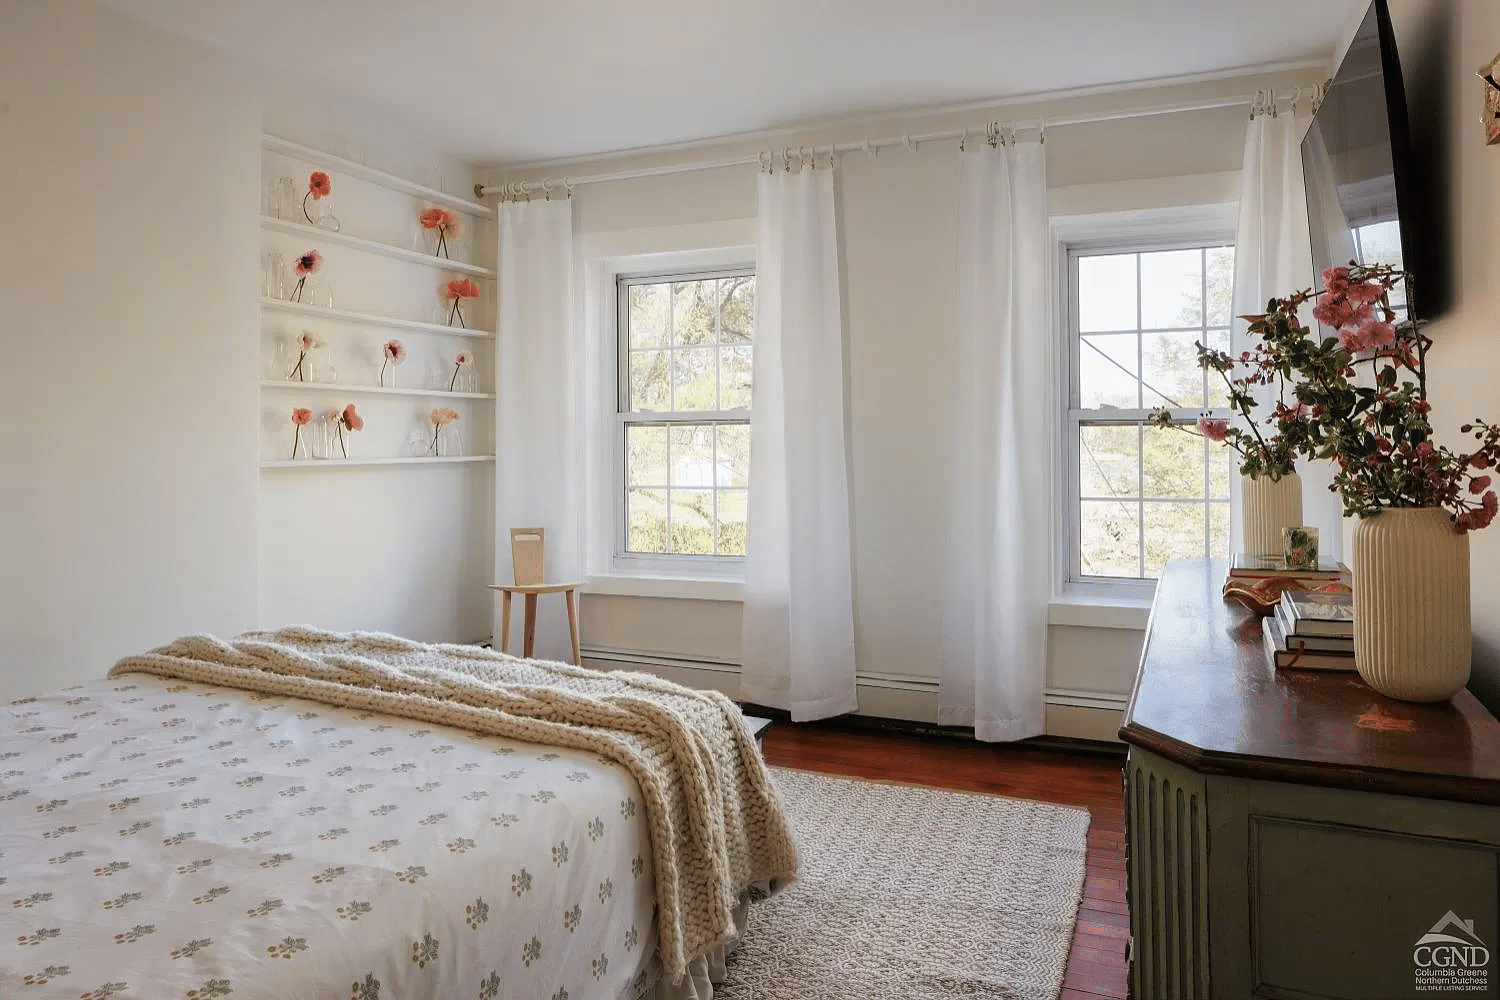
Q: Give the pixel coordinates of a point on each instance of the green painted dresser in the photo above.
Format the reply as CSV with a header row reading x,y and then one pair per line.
x,y
1294,834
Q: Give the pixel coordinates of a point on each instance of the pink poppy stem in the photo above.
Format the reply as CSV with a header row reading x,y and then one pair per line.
x,y
305,215
442,247
435,432
342,446
296,439
297,371
456,313
454,380
296,295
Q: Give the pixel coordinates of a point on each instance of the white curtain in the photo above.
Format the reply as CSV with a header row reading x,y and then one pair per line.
x,y
1273,257
538,426
797,637
1002,435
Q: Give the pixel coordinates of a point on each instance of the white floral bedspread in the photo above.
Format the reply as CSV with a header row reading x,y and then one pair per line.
x,y
162,840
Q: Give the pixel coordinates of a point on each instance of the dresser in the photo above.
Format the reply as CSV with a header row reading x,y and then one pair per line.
x,y
1294,834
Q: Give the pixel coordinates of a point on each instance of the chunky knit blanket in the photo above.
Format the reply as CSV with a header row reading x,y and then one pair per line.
x,y
717,825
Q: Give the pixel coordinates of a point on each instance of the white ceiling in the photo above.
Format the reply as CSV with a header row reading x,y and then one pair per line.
x,y
502,81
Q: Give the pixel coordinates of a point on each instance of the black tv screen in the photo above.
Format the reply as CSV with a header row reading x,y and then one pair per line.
x,y
1365,188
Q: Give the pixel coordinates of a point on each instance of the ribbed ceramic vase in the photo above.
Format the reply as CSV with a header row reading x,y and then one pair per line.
x,y
1265,508
1412,636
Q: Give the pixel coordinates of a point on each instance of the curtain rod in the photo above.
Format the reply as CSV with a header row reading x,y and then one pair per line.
x,y
523,189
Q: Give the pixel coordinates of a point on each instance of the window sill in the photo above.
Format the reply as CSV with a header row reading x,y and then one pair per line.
x,y
1099,612
673,587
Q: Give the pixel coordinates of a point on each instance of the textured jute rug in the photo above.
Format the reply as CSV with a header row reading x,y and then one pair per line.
x,y
911,892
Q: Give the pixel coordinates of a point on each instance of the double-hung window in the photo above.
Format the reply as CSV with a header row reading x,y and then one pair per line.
x,y
683,420
1140,494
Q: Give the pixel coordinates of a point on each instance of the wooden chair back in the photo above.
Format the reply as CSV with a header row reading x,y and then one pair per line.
x,y
526,551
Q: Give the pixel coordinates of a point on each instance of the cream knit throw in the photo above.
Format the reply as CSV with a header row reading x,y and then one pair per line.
x,y
717,824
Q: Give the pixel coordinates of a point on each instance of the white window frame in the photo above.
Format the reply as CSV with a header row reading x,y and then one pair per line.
x,y
1135,231
611,568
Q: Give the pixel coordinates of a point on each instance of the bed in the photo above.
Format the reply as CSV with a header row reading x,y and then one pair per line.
x,y
304,814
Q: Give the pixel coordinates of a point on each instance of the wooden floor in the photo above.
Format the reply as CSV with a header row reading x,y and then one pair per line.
x,y
1096,962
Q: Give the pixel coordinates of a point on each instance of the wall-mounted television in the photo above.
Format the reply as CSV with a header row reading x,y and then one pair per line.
x,y
1370,197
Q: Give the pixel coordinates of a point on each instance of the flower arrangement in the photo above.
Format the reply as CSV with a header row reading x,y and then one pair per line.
x,y
347,419
459,360
318,187
440,417
457,291
300,418
394,353
308,264
449,225
306,344
1373,424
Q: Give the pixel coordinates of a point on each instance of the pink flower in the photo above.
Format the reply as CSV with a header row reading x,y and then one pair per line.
x,y
433,218
463,358
352,420
318,185
1336,279
1367,334
309,263
307,341
1214,430
461,288
442,415
395,351
301,416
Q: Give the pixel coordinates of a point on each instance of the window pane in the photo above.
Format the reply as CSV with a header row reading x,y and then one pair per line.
x,y
694,304
692,522
646,456
1171,289
1108,460
1218,530
734,377
733,468
1111,538
1172,376
1173,531
692,455
648,315
1221,463
1221,285
1218,394
1172,466
649,385
1106,293
732,534
1107,372
647,520
736,309
695,378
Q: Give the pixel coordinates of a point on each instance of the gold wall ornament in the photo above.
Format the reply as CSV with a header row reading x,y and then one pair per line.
x,y
1490,74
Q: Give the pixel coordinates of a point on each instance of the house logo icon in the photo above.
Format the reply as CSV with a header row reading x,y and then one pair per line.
x,y
1451,956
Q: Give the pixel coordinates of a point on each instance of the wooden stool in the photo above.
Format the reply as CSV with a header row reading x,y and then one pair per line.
x,y
526,552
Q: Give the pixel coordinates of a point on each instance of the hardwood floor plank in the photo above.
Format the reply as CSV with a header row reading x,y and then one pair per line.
x,y
1096,957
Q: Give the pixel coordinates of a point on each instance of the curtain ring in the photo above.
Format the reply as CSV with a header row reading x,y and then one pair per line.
x,y
764,159
567,187
870,151
547,187
1041,130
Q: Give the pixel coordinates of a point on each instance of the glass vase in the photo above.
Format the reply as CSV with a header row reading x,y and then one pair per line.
x,y
273,275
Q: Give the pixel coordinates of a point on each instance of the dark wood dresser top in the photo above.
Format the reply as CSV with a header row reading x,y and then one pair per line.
x,y
1206,697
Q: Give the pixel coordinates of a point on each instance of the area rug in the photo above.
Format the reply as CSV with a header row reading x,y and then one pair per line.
x,y
911,892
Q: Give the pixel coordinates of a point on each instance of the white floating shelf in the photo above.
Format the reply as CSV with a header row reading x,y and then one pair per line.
x,y
371,319
327,161
315,235
370,389
345,463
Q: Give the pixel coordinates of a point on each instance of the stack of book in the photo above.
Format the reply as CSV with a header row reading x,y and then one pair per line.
x,y
1248,567
1311,631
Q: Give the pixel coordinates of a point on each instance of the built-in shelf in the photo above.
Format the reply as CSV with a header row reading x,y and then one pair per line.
x,y
316,235
345,463
371,319
327,161
380,390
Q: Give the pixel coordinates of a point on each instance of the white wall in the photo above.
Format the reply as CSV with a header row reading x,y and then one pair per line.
x,y
131,504
128,188
899,234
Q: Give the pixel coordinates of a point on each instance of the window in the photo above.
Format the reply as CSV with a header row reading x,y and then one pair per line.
x,y
1139,494
683,445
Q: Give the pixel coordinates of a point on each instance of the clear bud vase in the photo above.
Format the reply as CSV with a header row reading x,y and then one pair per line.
x,y
388,375
300,434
